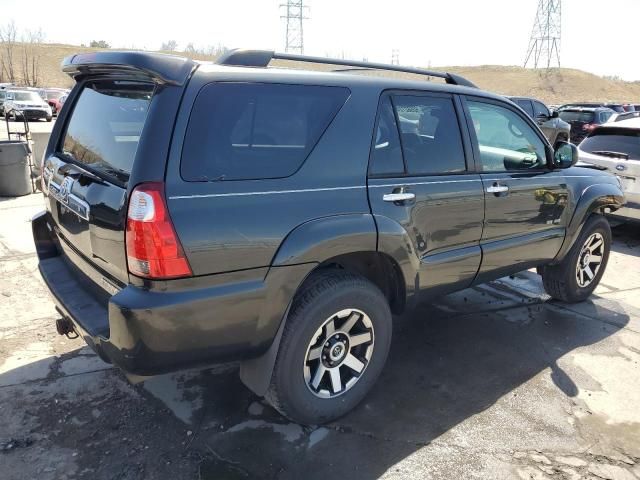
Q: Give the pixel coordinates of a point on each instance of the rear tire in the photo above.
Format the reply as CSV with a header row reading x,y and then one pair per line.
x,y
579,273
321,373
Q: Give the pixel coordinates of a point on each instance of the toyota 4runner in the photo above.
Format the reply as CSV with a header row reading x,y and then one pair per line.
x,y
207,212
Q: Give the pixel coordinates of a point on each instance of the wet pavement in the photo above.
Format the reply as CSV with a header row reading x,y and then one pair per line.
x,y
493,382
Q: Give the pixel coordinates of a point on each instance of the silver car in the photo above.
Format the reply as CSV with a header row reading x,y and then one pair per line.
x,y
615,147
26,104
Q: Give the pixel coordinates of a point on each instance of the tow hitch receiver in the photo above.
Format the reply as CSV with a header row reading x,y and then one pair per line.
x,y
65,327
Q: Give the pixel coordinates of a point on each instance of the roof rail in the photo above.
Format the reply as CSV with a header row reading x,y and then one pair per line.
x,y
262,58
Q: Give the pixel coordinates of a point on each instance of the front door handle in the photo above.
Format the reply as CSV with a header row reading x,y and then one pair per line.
x,y
495,188
398,197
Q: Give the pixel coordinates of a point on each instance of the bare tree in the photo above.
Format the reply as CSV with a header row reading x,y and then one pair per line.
x,y
8,45
169,46
31,57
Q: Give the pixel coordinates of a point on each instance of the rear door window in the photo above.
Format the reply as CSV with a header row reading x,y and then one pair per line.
x,y
105,126
386,156
430,135
241,131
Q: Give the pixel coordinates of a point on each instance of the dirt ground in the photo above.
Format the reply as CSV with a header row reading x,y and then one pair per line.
x,y
495,382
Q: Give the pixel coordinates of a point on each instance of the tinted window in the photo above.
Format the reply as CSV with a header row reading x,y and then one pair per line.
x,y
430,134
252,131
604,116
576,116
613,140
106,124
540,109
386,156
505,140
526,106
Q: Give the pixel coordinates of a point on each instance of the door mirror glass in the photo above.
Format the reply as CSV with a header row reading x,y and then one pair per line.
x,y
565,155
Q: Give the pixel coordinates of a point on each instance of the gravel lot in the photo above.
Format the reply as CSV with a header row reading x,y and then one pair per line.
x,y
495,382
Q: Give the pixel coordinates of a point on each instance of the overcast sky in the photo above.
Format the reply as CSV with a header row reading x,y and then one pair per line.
x,y
598,36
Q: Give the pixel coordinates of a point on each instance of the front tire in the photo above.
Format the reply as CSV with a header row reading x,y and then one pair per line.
x,y
579,273
333,348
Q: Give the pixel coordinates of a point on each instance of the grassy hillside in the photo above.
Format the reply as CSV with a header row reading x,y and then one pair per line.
x,y
557,86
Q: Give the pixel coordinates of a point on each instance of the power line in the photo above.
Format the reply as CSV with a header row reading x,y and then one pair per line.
x,y
544,43
295,14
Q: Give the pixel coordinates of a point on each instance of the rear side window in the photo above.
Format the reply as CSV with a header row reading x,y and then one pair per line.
x,y
105,126
430,135
241,131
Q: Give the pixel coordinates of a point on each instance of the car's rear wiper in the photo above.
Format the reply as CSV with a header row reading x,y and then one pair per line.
x,y
607,153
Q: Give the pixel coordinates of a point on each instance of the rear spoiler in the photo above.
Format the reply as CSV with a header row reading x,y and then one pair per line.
x,y
166,69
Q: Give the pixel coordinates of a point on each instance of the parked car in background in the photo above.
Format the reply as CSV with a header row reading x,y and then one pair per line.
x,y
616,107
334,200
616,149
52,97
27,104
554,128
629,108
583,120
618,117
3,95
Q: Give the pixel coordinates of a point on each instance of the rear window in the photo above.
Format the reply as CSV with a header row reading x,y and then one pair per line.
x,y
241,131
105,126
608,141
576,116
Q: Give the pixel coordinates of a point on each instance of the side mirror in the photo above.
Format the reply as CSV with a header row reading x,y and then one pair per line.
x,y
555,114
565,155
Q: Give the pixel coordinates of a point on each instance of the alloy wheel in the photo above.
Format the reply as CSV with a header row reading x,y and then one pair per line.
x,y
590,259
338,353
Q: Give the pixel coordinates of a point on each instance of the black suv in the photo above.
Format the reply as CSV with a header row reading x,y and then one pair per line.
x,y
584,119
207,212
549,122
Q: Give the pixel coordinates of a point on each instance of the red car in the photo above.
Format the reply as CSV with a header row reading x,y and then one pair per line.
x,y
53,96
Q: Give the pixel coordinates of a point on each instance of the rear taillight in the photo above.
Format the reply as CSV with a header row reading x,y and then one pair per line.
x,y
153,248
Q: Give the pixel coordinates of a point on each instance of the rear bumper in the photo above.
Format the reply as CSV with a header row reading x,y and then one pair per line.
x,y
148,331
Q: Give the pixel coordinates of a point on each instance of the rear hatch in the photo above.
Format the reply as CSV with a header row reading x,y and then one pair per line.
x,y
87,172
617,149
580,121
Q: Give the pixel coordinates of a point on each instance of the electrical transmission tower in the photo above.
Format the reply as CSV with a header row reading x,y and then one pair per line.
x,y
295,13
544,44
395,57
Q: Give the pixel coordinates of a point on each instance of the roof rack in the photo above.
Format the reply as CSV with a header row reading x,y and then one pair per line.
x,y
262,58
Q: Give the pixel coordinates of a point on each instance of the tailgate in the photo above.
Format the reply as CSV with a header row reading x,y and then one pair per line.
x,y
87,172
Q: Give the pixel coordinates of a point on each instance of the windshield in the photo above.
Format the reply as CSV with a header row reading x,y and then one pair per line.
x,y
54,95
26,97
576,116
620,140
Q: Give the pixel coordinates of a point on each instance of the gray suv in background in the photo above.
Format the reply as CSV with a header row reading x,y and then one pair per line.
x,y
554,128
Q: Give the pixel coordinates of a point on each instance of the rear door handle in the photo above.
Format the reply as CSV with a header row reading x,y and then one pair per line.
x,y
398,197
497,188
